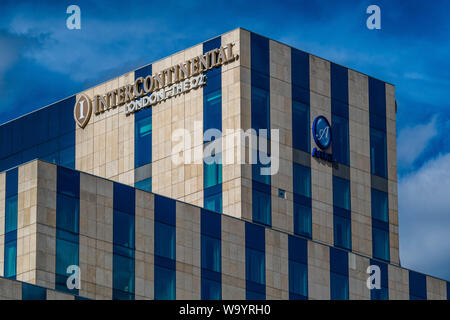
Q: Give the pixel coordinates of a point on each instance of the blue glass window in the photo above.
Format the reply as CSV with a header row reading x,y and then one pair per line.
x,y
67,226
298,268
164,273
259,53
32,292
378,153
11,213
211,255
145,184
164,283
341,193
300,126
261,205
143,137
123,242
341,150
36,136
417,286
342,229
338,274
255,265
212,110
380,209
213,201
380,240
165,237
212,170
260,109
302,180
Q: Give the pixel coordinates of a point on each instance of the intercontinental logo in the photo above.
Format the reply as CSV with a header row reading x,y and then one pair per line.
x,y
148,91
82,110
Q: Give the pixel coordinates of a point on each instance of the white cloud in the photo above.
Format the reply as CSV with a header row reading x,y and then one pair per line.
x,y
412,141
424,218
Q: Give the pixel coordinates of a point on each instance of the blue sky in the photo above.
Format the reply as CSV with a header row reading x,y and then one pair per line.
x,y
41,61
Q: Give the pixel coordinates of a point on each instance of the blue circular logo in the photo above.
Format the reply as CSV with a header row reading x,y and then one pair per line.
x,y
321,132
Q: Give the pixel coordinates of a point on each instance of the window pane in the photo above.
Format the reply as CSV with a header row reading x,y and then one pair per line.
x,y
212,110
67,254
378,153
10,259
341,151
123,229
143,138
124,270
380,244
339,286
342,232
67,215
261,207
145,185
211,253
11,214
255,266
214,202
260,109
300,126
31,292
164,283
211,290
212,173
380,209
341,193
298,278
164,240
302,180
302,220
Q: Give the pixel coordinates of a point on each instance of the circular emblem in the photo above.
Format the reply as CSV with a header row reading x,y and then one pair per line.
x,y
82,110
321,132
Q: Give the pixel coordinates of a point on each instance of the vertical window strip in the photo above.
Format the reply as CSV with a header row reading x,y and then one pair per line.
x,y
165,255
212,125
123,242
255,262
211,256
302,200
417,286
10,247
342,213
378,167
298,268
67,226
339,274
260,119
143,135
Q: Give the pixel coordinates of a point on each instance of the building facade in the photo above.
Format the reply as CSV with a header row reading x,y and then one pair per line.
x,y
125,190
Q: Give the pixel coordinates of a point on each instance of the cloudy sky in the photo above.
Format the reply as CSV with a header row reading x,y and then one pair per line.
x,y
41,61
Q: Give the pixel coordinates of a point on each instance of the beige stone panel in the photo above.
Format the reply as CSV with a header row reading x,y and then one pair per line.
x,y
231,123
2,220
281,120
436,289
144,260
55,295
277,265
96,236
280,61
318,271
358,90
188,259
357,277
233,258
398,283
10,289
320,82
